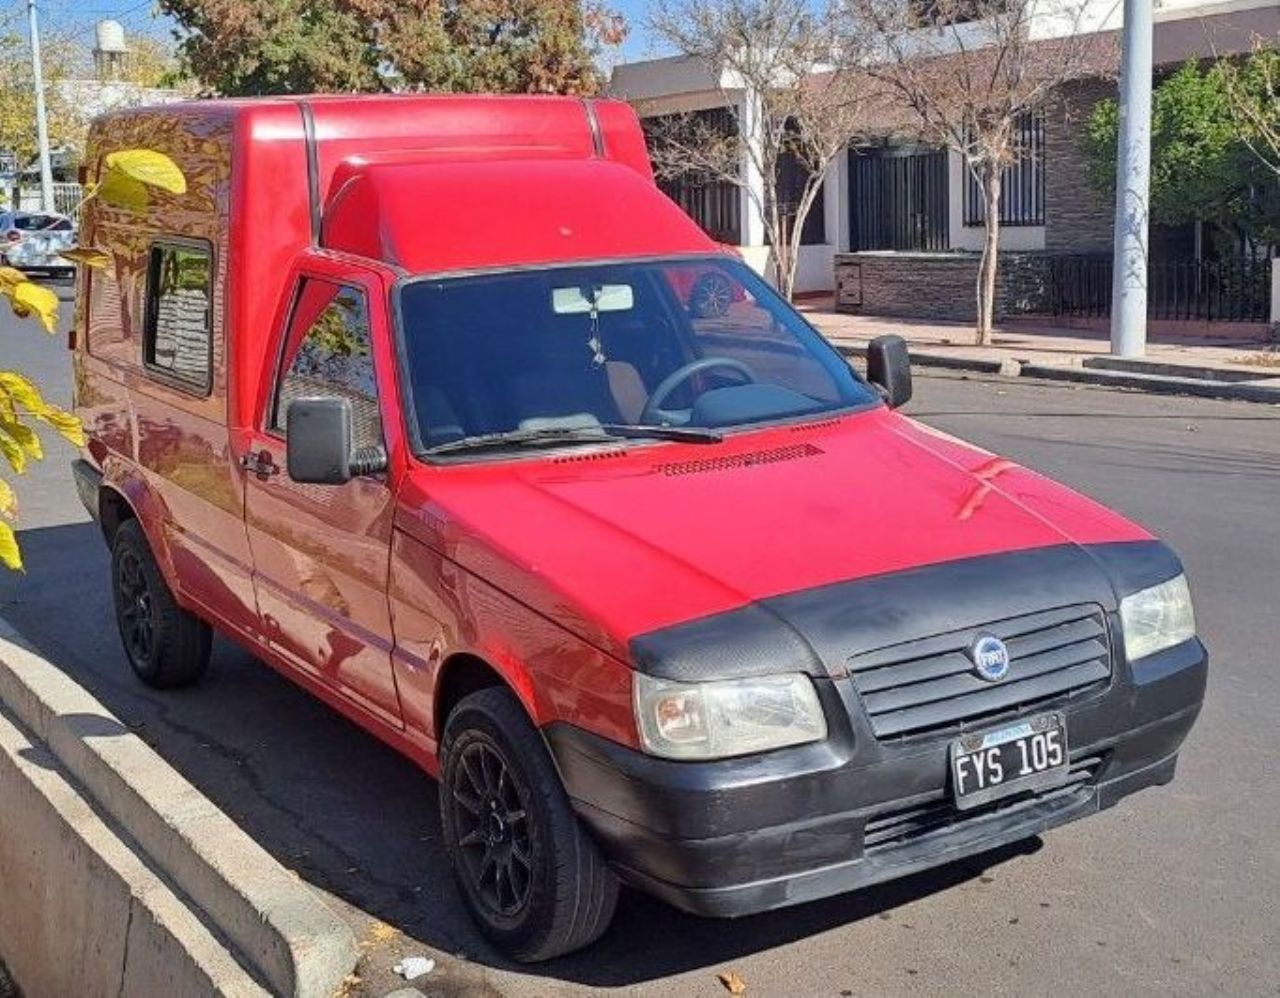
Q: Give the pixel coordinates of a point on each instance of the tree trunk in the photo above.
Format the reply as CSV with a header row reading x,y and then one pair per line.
x,y
780,249
986,289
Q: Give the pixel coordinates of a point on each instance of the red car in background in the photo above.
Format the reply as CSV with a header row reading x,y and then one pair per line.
x,y
486,444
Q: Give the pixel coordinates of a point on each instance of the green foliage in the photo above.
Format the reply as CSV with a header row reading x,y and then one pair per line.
x,y
1202,168
243,47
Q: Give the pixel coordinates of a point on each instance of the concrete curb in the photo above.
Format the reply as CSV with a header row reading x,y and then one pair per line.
x,y
290,939
1159,383
82,913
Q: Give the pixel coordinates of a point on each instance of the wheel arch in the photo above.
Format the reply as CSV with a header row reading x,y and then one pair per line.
x,y
124,496
465,672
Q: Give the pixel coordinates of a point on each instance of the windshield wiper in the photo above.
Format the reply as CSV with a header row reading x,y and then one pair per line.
x,y
593,434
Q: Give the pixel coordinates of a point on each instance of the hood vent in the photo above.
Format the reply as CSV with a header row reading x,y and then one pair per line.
x,y
773,455
599,455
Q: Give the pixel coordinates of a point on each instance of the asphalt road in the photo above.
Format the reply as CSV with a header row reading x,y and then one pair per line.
x,y
1172,892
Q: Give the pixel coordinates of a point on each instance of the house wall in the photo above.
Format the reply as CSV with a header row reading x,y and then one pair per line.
x,y
935,286
1077,218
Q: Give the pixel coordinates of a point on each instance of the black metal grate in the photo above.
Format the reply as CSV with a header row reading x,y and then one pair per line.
x,y
773,455
901,825
898,199
1237,289
1021,183
929,685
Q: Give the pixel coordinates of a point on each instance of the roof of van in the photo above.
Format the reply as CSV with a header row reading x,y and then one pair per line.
x,y
458,182
457,216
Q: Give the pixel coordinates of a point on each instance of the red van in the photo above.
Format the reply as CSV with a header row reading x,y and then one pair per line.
x,y
411,397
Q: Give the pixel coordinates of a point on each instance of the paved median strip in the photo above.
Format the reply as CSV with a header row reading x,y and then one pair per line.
x,y
160,849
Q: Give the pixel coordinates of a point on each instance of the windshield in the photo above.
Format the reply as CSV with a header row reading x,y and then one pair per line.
x,y
693,343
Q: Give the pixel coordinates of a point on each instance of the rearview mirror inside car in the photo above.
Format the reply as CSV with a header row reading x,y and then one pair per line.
x,y
600,298
889,369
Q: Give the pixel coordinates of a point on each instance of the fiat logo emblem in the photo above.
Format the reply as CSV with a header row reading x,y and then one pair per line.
x,y
990,657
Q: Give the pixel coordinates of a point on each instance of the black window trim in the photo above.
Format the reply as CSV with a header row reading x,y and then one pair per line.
x,y
272,407
163,375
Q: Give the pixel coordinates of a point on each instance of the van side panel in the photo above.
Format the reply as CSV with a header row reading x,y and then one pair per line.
x,y
270,226
164,446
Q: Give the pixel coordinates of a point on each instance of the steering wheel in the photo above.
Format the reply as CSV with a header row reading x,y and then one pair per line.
x,y
653,411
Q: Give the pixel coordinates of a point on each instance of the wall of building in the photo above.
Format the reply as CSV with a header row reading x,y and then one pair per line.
x,y
1078,219
935,286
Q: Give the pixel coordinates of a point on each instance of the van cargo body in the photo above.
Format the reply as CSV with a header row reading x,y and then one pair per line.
x,y
442,409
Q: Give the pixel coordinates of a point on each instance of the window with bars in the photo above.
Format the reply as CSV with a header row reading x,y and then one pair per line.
x,y
1022,184
714,203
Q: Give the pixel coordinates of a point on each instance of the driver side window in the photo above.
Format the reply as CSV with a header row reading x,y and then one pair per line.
x,y
333,357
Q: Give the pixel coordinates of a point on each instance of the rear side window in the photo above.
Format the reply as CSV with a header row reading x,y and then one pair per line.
x,y
332,356
178,338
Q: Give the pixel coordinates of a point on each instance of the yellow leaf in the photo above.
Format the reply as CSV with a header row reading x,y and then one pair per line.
x,y
10,278
8,499
13,453
31,297
149,167
65,423
122,191
88,256
9,553
22,391
25,437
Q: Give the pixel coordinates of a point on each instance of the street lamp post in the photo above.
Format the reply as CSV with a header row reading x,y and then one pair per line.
x,y
42,123
1133,184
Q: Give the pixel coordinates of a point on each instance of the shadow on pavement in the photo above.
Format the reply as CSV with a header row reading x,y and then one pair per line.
x,y
349,815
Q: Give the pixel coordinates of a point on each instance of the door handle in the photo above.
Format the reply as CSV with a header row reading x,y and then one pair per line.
x,y
260,464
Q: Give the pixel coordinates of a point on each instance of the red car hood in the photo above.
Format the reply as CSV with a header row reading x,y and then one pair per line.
x,y
618,543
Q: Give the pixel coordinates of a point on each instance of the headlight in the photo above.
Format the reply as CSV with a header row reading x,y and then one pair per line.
x,y
726,718
1157,618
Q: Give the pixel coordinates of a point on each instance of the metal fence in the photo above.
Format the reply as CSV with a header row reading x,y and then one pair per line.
x,y
1237,289
66,199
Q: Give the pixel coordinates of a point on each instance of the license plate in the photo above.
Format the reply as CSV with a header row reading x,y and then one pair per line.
x,y
1028,755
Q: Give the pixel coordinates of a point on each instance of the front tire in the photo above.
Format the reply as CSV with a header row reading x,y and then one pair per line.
x,y
533,878
166,645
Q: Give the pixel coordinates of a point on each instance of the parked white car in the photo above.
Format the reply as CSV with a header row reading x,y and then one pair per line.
x,y
34,240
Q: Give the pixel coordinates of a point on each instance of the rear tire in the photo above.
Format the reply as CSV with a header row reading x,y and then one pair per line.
x,y
166,645
533,878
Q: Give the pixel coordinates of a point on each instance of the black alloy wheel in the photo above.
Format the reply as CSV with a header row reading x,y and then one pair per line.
x,y
530,872
493,828
135,608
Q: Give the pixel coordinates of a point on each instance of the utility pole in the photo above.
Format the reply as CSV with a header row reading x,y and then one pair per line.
x,y
42,123
1133,184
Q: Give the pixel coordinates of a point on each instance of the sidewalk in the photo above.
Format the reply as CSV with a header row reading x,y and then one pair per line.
x,y
1212,366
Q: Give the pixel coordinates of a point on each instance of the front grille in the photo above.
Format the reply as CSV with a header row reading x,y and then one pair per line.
x,y
929,685
900,826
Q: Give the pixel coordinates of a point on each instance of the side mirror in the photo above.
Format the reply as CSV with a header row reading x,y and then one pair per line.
x,y
318,441
889,369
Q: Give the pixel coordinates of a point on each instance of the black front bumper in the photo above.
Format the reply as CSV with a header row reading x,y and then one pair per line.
x,y
739,836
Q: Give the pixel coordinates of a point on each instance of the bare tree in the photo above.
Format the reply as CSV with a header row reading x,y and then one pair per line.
x,y
1253,91
786,100
968,72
